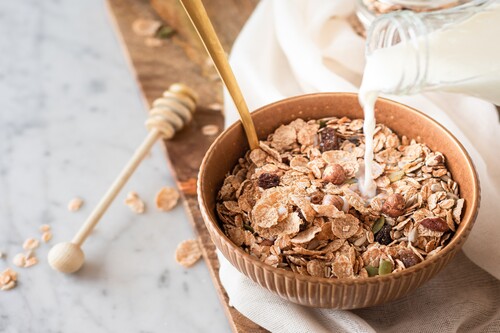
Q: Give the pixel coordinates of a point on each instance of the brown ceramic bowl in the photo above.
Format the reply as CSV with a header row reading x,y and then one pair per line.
x,y
336,293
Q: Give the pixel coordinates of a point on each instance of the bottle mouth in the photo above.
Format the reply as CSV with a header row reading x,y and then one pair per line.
x,y
419,5
368,10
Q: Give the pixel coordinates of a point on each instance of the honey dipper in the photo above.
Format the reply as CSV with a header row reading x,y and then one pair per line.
x,y
169,114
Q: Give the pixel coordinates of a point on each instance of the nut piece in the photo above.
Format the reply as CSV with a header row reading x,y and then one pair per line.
x,y
334,174
188,253
409,258
166,199
75,204
134,202
394,206
435,224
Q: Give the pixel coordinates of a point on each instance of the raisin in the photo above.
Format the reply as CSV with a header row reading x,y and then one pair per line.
x,y
303,225
435,224
329,140
268,180
356,139
409,258
384,235
267,242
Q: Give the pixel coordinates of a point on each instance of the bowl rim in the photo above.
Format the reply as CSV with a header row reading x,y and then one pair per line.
x,y
457,240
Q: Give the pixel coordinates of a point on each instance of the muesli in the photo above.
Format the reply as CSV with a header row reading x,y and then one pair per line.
x,y
295,203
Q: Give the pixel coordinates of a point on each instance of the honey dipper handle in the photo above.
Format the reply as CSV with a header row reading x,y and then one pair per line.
x,y
128,170
198,15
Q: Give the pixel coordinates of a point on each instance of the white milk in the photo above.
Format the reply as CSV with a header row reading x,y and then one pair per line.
x,y
463,59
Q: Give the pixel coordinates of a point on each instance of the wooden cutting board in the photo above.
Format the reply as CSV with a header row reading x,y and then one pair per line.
x,y
182,58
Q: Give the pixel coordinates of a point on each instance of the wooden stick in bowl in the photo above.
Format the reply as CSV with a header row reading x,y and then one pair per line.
x,y
198,15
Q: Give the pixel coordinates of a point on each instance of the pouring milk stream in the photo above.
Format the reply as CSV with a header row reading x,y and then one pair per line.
x,y
463,57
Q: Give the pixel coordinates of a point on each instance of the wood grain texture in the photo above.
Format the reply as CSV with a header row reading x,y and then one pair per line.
x,y
183,59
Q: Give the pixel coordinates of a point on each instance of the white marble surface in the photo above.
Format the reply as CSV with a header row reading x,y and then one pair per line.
x,y
70,117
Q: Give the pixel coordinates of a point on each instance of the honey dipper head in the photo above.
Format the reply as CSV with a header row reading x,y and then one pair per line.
x,y
66,257
181,88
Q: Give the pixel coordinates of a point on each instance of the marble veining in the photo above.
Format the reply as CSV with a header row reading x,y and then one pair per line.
x,y
70,117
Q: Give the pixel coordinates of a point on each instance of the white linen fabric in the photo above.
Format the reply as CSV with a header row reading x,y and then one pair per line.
x,y
293,47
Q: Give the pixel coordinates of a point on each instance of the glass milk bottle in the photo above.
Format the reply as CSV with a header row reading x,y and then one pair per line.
x,y
453,50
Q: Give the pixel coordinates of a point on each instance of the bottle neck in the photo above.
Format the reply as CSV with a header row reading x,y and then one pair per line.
x,y
408,28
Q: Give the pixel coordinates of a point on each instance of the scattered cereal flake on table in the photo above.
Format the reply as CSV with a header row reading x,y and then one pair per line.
x,y
8,279
215,106
7,275
166,198
2,255
31,261
153,42
19,260
44,228
46,236
134,202
144,27
188,252
209,130
30,244
75,204
8,286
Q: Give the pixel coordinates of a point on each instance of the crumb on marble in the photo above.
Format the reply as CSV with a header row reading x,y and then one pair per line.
x,y
30,244
8,279
46,236
188,252
166,199
75,204
135,203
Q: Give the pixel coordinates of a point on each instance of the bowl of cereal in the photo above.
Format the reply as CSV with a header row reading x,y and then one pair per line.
x,y
290,215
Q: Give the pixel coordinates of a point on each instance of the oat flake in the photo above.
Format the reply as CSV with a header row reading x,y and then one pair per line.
x,y
75,204
188,252
135,203
166,199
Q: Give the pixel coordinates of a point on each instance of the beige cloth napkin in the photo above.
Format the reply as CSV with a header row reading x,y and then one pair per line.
x,y
292,47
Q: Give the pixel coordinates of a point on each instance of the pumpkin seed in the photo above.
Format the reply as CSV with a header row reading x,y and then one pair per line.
x,y
385,267
372,271
378,224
